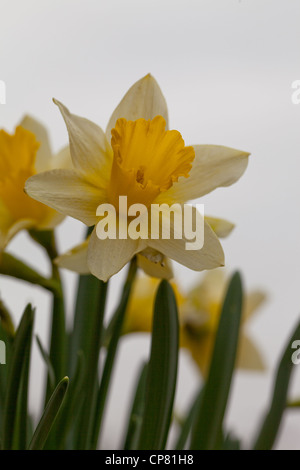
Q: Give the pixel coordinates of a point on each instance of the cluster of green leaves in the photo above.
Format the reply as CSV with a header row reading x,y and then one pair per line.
x,y
72,415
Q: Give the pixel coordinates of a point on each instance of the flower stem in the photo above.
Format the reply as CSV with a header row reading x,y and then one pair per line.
x,y
111,352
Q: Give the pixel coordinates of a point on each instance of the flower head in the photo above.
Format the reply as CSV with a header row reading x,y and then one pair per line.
x,y
140,158
199,314
23,154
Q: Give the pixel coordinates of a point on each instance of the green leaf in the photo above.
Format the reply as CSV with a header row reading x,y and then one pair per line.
x,y
162,371
21,343
231,443
189,421
136,412
268,432
208,423
111,352
22,416
58,336
51,411
72,406
7,334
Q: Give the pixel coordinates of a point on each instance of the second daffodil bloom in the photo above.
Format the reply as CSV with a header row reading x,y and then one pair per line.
x,y
23,154
137,157
199,314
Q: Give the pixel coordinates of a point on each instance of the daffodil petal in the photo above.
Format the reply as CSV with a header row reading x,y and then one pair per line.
x,y
143,100
139,313
75,259
62,160
221,227
214,166
107,257
90,151
68,193
199,349
252,302
44,153
210,256
160,269
209,291
51,220
248,356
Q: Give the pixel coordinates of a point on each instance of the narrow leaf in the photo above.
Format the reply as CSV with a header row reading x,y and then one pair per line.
x,y
267,435
208,423
189,421
22,338
136,412
22,416
51,411
162,371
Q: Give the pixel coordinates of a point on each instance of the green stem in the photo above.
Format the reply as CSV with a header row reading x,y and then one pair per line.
x,y
91,378
13,267
58,329
111,353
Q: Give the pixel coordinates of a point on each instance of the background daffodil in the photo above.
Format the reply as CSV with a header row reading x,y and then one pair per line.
x,y
199,313
23,154
140,158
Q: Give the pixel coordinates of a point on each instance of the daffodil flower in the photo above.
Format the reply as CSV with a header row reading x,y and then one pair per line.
x,y
137,157
199,314
23,154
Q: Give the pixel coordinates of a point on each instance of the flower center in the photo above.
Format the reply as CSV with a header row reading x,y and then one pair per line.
x,y
17,163
148,159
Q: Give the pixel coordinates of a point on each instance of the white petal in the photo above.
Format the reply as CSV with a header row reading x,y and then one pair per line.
x,y
143,100
221,227
51,221
213,166
62,160
107,257
68,193
90,151
248,355
75,259
252,302
210,256
161,269
43,157
210,290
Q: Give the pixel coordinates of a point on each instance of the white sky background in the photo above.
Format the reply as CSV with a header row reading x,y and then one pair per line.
x,y
226,69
